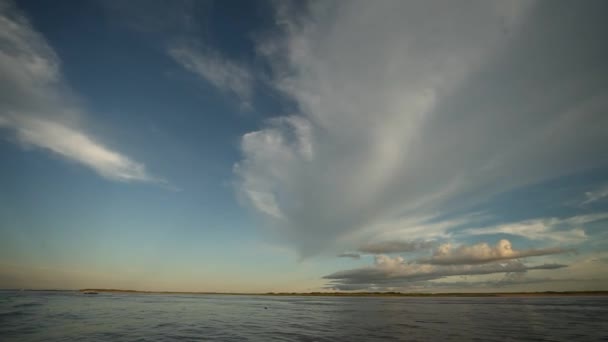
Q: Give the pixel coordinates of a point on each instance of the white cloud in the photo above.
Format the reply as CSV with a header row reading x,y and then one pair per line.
x,y
75,145
568,231
36,106
222,73
272,151
265,203
414,109
481,253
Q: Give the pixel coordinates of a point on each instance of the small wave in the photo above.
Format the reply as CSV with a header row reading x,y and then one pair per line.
x,y
12,314
25,305
432,322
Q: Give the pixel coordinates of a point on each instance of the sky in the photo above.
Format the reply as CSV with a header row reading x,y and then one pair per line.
x,y
257,146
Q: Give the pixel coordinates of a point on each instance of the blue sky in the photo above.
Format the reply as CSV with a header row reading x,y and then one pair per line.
x,y
264,146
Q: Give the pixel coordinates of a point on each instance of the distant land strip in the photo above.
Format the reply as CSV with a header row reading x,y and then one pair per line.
x,y
365,294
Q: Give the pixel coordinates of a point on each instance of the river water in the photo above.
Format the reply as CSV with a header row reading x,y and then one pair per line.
x,y
71,316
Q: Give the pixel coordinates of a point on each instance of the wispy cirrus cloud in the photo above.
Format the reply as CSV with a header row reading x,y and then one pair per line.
x,y
224,74
38,110
75,145
176,25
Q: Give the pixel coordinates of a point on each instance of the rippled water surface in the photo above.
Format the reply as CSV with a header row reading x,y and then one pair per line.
x,y
67,316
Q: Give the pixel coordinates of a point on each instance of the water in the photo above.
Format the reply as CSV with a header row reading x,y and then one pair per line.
x,y
71,316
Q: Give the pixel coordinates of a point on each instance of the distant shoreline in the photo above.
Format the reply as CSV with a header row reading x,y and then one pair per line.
x,y
338,294
367,294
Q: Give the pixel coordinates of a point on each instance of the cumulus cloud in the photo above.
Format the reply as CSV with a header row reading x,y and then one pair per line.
x,y
37,109
284,140
414,109
388,272
482,253
226,75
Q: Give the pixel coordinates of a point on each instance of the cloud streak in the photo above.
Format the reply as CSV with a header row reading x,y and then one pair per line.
x,y
387,273
350,255
568,230
226,75
597,195
388,247
76,146
37,109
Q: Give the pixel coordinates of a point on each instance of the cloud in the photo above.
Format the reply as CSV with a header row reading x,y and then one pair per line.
x,y
419,109
38,109
284,140
226,75
593,196
567,230
179,27
388,247
76,146
394,272
482,253
510,281
350,255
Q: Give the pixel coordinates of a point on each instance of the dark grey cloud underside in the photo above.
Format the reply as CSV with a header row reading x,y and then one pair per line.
x,y
508,281
378,278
